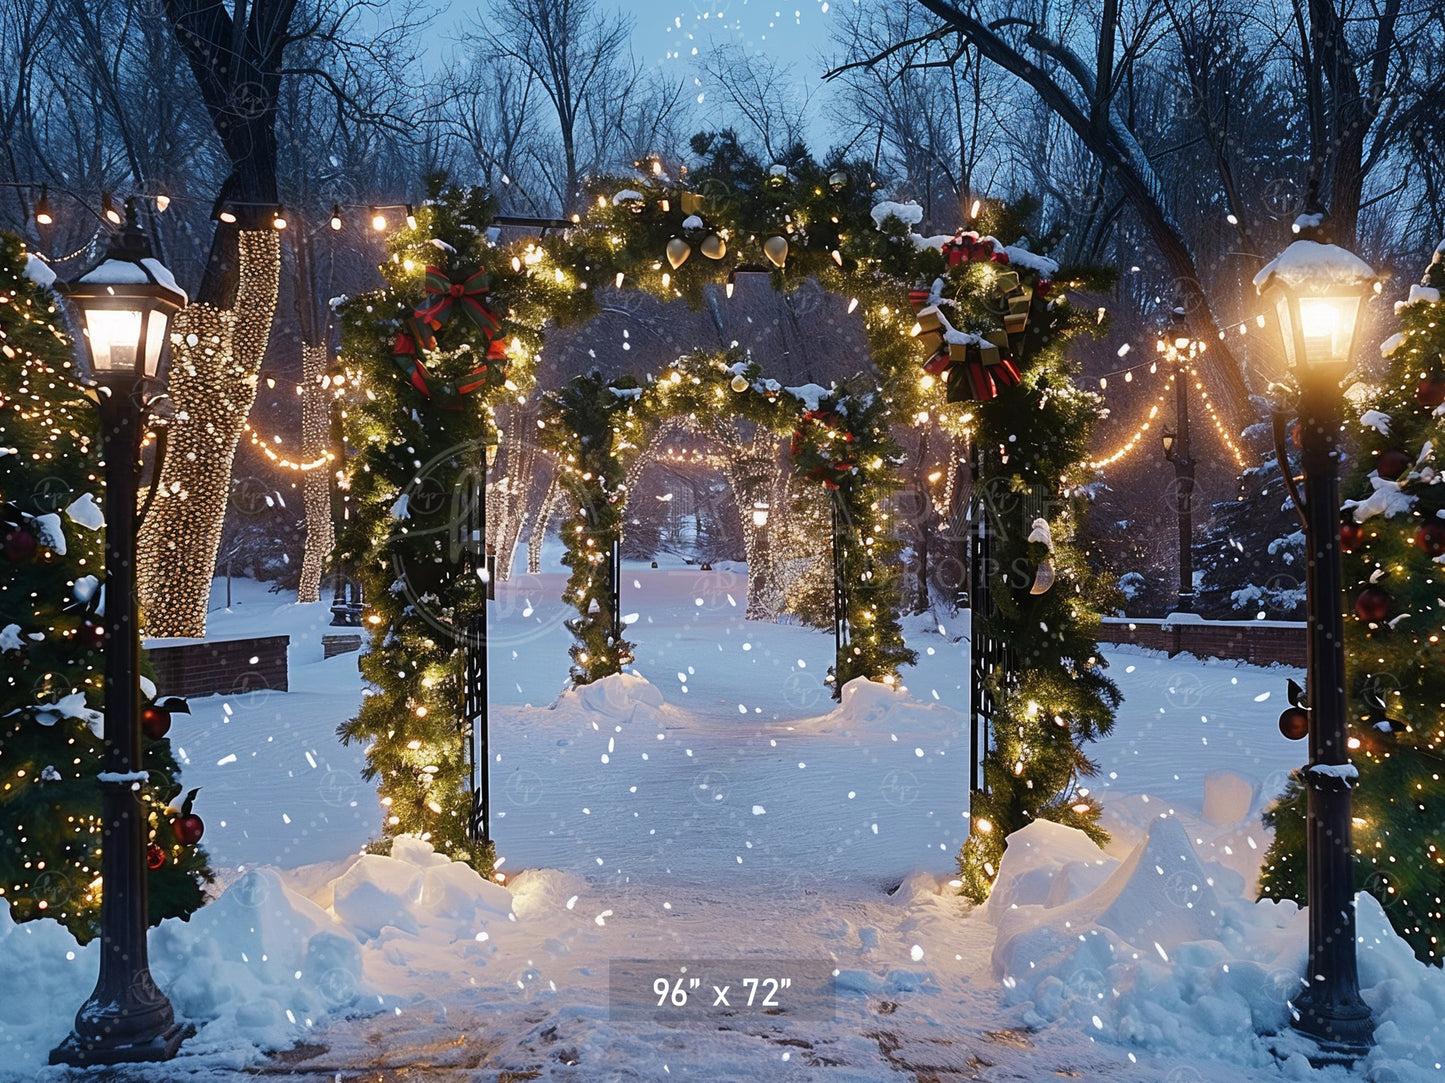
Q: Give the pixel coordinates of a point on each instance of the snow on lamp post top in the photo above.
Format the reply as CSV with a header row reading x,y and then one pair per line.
x,y
1317,290
127,301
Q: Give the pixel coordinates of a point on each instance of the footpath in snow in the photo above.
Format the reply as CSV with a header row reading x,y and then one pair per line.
x,y
720,807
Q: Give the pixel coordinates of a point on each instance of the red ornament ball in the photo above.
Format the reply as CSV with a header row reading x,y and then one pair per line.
x,y
155,857
20,544
1431,539
1351,534
1391,464
1294,723
155,723
90,635
1430,392
188,829
1372,604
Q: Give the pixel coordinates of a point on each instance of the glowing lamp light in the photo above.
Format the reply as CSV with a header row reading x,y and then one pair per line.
x,y
127,302
410,217
1317,290
278,219
43,215
378,220
760,513
336,217
108,209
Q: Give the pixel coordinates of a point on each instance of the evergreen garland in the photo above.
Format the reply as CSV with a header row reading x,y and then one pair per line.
x,y
51,652
420,440
840,441
1032,449
1034,436
1393,534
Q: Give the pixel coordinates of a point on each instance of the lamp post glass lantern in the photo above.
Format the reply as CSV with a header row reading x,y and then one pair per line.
x,y
1317,289
126,303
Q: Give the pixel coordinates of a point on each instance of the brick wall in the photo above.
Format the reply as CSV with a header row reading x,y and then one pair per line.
x,y
229,666
1257,642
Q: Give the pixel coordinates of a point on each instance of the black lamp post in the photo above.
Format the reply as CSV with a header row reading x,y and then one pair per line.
x,y
1318,289
126,303
1180,346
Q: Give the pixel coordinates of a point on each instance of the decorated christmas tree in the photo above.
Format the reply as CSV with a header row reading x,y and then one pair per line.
x,y
1393,536
52,587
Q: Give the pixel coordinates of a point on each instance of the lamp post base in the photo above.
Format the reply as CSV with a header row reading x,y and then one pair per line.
x,y
84,1052
1342,1030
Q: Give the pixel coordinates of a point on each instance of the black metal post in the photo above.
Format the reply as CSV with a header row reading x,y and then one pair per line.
x,y
614,588
1184,487
475,707
841,636
127,1018
1330,1009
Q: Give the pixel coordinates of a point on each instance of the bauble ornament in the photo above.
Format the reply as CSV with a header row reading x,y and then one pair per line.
x,y
776,249
20,544
1391,464
713,246
155,857
155,722
1372,605
677,252
1430,392
1431,539
188,828
1351,534
1294,723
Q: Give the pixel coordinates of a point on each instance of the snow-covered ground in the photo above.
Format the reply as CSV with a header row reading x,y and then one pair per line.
x,y
721,809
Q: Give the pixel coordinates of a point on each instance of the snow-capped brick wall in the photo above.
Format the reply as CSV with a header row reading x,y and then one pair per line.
x,y
225,667
1258,642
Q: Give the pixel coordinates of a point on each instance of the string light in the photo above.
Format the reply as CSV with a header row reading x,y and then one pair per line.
x,y
213,356
1133,441
1218,422
260,443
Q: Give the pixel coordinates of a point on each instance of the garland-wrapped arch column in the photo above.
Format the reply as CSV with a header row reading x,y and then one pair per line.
x,y
839,439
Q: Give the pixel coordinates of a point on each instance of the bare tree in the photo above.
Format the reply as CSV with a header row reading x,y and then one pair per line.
x,y
571,50
772,106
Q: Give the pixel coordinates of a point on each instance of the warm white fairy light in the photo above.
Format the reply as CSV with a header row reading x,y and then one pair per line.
x,y
1133,441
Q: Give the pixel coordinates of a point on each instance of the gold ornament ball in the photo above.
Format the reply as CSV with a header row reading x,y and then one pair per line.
x,y
677,252
776,249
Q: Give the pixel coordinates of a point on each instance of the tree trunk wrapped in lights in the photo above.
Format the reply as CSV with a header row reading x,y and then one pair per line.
x,y
315,443
215,359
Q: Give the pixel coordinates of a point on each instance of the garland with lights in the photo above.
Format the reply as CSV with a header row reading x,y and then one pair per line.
x,y
420,379
839,440
1000,320
1393,537
51,650
1014,393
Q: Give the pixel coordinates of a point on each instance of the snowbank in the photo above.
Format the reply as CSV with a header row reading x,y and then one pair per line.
x,y
1167,955
261,967
619,697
